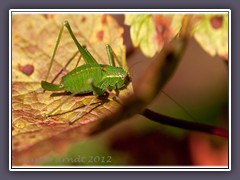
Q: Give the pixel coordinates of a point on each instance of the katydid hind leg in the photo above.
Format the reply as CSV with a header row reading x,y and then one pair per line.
x,y
85,54
89,54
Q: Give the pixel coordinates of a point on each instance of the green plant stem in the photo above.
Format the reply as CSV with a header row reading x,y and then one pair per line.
x,y
193,126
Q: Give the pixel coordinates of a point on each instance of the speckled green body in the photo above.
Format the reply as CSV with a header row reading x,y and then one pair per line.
x,y
104,77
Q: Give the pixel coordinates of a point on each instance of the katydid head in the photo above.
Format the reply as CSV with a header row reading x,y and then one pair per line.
x,y
121,77
126,79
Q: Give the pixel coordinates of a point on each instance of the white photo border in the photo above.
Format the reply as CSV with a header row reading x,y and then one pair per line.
x,y
118,168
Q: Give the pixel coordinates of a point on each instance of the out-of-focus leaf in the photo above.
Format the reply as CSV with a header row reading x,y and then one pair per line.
x,y
211,32
33,41
151,32
142,31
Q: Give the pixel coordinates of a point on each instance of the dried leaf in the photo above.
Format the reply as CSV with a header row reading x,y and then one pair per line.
x,y
33,41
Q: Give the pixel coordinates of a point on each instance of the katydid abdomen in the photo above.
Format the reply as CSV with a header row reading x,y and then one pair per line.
x,y
77,81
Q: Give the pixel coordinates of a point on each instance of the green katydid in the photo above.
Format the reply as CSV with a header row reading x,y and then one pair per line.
x,y
90,77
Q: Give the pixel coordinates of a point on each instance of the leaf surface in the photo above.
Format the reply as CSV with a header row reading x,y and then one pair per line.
x,y
33,41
